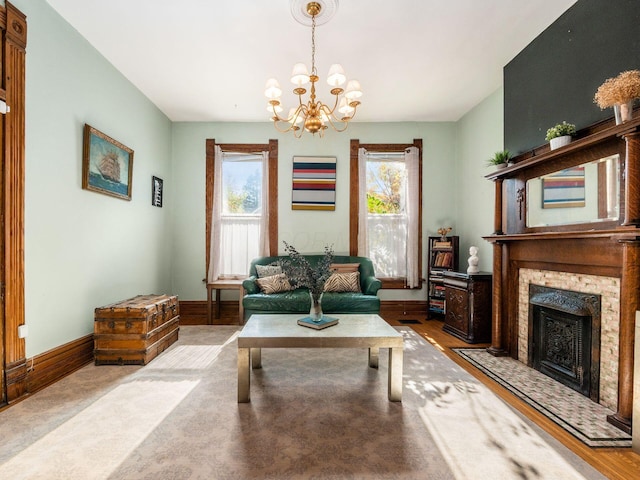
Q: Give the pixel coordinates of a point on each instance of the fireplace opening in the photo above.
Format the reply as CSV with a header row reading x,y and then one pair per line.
x,y
564,337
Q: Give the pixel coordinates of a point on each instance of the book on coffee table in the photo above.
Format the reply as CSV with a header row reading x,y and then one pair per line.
x,y
324,323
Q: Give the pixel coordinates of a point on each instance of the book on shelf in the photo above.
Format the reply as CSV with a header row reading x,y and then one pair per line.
x,y
437,303
441,244
324,322
443,259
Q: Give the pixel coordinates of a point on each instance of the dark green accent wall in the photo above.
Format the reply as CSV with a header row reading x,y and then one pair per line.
x,y
556,76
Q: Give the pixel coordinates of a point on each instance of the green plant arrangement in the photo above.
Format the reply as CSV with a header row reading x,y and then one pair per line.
x,y
499,158
302,274
560,130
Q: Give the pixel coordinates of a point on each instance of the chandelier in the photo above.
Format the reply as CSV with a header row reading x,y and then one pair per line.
x,y
314,115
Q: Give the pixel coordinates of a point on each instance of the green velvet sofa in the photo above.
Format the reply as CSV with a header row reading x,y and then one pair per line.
x,y
298,301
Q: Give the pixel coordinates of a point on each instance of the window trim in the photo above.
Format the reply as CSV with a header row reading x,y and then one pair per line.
x,y
354,203
272,148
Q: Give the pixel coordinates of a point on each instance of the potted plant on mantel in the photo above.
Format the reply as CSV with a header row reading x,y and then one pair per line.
x,y
560,135
619,92
499,159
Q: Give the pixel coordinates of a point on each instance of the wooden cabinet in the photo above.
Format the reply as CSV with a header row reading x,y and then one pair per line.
x,y
468,306
442,257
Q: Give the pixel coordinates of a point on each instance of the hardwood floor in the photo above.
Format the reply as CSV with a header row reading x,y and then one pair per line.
x,y
615,463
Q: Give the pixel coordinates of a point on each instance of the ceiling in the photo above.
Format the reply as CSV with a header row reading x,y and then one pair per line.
x,y
206,60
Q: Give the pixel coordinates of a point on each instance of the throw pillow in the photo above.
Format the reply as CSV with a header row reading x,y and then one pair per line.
x,y
343,282
344,267
274,284
268,270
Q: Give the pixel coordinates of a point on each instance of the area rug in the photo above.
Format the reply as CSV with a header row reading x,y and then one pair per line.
x,y
314,414
578,415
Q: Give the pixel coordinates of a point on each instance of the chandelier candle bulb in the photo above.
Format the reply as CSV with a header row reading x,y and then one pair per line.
x,y
354,91
272,89
299,74
336,76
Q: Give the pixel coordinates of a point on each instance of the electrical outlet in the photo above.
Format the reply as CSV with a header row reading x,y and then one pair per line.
x,y
23,331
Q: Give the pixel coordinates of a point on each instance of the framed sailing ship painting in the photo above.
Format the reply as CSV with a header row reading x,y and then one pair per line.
x,y
107,165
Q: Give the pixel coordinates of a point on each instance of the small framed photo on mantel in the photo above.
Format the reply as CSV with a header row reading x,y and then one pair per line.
x,y
156,191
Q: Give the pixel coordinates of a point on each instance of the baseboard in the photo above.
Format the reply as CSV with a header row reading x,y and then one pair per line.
x,y
194,312
408,308
51,366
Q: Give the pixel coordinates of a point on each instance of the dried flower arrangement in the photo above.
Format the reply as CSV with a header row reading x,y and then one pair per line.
x,y
300,272
443,231
618,90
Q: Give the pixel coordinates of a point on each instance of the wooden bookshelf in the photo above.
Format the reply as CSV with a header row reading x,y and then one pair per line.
x,y
442,257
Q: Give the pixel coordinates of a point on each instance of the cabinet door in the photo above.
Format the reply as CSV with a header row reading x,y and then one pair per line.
x,y
457,315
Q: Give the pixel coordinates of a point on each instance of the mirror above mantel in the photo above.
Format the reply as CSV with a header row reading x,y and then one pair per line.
x,y
586,193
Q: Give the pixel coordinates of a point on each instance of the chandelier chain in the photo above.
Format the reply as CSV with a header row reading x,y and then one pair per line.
x,y
313,45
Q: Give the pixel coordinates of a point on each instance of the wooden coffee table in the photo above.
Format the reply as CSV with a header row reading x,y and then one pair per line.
x,y
354,331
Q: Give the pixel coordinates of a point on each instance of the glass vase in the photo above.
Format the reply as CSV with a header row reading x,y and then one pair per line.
x,y
623,112
315,313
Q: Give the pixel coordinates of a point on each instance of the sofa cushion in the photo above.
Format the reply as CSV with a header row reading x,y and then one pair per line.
x,y
268,270
274,284
297,301
344,267
343,282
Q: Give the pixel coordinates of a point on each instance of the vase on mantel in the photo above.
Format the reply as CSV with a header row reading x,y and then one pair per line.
x,y
315,313
623,112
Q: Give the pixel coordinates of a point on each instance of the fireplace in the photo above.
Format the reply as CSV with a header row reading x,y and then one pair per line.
x,y
564,337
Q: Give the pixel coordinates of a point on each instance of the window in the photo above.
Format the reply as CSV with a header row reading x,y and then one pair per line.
x,y
240,219
386,214
386,196
241,225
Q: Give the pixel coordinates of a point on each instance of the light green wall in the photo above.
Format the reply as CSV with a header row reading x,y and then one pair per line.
x,y
84,249
308,231
479,136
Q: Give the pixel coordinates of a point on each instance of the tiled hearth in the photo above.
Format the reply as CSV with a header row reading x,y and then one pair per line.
x,y
609,290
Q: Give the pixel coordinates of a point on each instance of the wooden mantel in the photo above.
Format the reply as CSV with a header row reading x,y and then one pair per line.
x,y
604,248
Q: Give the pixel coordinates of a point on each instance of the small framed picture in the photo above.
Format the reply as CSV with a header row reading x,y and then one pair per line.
x,y
156,192
107,165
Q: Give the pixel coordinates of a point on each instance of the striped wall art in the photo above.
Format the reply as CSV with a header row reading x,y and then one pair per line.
x,y
564,189
314,183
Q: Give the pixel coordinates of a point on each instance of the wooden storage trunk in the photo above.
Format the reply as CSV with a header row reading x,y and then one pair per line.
x,y
135,331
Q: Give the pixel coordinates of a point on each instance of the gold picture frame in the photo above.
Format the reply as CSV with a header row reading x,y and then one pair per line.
x,y
107,165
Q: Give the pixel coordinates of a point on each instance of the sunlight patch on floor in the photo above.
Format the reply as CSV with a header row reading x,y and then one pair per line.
x,y
93,443
189,357
480,437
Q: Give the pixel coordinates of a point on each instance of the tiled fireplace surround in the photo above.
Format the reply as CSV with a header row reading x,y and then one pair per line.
x,y
609,290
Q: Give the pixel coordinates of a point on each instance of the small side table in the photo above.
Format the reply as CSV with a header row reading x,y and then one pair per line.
x,y
225,284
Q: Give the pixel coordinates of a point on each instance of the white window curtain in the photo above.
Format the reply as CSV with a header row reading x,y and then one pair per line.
x,y
236,239
215,256
412,162
264,246
363,211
